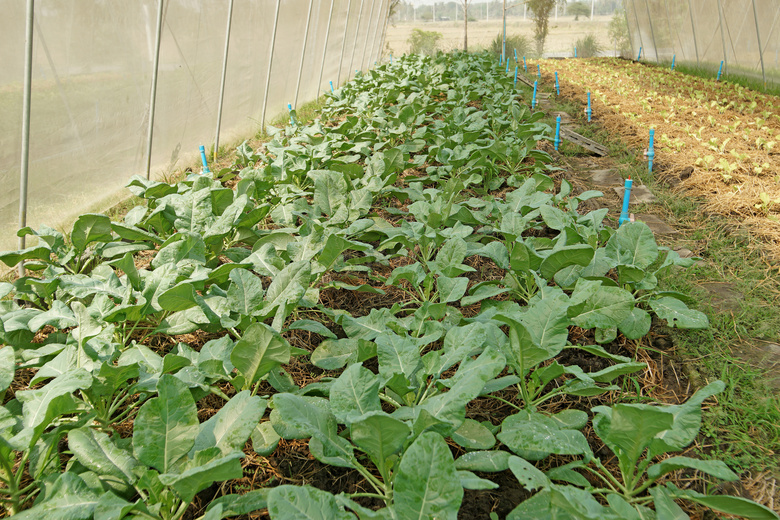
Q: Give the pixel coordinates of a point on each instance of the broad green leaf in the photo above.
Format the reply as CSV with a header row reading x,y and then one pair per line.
x,y
259,350
665,506
633,244
333,354
232,425
484,461
533,435
604,308
245,293
397,355
483,291
182,245
730,505
451,289
96,451
7,367
111,507
379,435
677,314
166,426
207,467
354,393
69,498
426,484
11,258
530,477
636,325
547,323
469,480
578,254
304,503
521,352
367,327
235,505
716,468
299,417
312,326
473,436
264,439
90,228
178,298
630,428
287,290
41,406
58,316
330,190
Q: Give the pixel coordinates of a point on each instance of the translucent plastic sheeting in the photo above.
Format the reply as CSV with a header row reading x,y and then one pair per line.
x,y
91,85
743,34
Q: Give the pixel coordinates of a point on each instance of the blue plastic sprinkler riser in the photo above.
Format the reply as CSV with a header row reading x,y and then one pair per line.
x,y
515,55
289,108
720,70
538,71
639,56
575,52
516,68
589,111
557,86
624,216
651,152
507,66
533,99
557,141
391,59
525,66
203,159
331,87
674,58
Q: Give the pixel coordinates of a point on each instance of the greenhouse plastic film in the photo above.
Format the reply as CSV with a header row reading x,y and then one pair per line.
x,y
743,34
91,86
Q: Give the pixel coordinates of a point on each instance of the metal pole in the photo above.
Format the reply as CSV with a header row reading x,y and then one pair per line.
x,y
384,32
357,32
325,46
652,32
628,28
503,46
153,100
224,74
303,55
723,36
693,30
270,64
377,34
368,31
638,27
27,98
758,37
344,42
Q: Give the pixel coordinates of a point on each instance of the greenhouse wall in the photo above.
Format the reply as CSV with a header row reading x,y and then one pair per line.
x,y
92,71
743,34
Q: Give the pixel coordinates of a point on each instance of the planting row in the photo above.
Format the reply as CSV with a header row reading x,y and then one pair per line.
x,y
421,193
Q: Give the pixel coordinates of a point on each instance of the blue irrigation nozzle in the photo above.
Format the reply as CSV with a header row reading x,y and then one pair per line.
x,y
507,66
516,75
331,87
203,159
538,71
557,141
588,111
639,56
515,55
557,86
533,99
575,51
651,151
624,216
525,66
289,108
674,58
720,70
391,59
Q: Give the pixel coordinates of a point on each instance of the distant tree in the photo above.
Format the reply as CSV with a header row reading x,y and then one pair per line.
x,y
618,30
577,9
541,10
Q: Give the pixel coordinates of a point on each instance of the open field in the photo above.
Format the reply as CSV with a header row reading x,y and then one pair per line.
x,y
563,33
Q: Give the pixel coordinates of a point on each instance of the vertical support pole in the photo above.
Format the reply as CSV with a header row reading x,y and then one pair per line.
x,y
557,141
270,65
638,28
153,98
357,32
669,27
693,30
224,74
371,55
368,31
760,50
722,35
303,55
628,28
325,50
652,31
28,52
384,34
503,47
344,42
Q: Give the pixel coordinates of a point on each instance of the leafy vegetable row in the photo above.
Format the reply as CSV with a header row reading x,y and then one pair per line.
x,y
393,193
